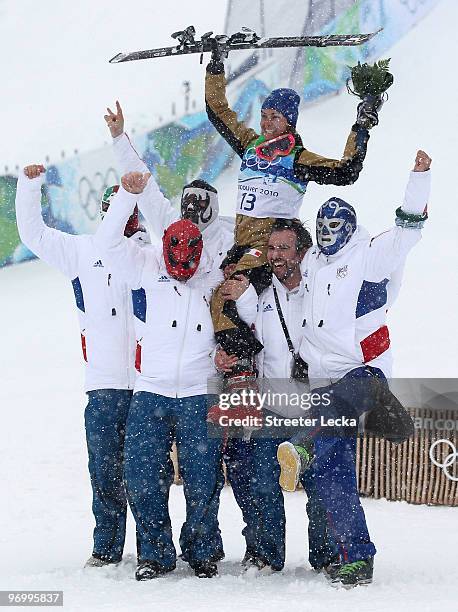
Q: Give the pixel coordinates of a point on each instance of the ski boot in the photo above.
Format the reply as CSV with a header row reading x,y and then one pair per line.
x,y
367,111
355,573
389,419
205,569
293,460
96,560
330,570
248,558
148,570
253,561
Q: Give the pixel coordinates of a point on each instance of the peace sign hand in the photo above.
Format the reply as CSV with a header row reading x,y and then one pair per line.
x,y
115,121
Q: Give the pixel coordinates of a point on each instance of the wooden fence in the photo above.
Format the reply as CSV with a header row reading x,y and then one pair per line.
x,y
405,471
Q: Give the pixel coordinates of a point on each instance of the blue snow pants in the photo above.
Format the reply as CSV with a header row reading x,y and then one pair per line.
x,y
322,546
253,472
153,422
334,469
330,484
105,421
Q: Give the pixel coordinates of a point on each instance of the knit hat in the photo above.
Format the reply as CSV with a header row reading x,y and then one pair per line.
x,y
285,101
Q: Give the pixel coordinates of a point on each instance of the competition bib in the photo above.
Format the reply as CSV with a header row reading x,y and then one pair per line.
x,y
269,188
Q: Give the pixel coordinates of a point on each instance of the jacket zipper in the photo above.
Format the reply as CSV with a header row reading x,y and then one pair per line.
x,y
314,323
183,339
128,319
125,299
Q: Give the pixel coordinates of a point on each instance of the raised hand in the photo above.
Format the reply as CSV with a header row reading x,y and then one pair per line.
x,y
135,182
34,170
422,162
115,121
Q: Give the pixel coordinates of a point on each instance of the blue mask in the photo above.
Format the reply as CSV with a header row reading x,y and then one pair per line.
x,y
335,225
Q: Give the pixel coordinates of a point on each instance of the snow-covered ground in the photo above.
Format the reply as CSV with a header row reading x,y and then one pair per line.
x,y
45,516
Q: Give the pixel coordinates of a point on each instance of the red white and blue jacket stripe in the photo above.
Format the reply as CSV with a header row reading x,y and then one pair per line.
x,y
347,295
104,303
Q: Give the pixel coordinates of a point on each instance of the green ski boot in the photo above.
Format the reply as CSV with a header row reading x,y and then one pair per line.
x,y
356,573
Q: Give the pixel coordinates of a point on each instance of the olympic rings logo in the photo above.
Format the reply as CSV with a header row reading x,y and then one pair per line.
x,y
90,192
449,459
252,160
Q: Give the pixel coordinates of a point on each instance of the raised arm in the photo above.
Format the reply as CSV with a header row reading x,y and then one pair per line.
x,y
124,256
326,171
56,248
127,156
154,206
388,251
224,119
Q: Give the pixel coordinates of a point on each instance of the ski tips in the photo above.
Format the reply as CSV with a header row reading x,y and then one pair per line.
x,y
372,34
117,58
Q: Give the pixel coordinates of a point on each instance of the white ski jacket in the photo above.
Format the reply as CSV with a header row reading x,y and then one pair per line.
x,y
345,301
347,295
174,352
104,303
274,362
218,237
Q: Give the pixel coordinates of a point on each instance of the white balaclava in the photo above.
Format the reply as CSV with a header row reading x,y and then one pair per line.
x,y
199,203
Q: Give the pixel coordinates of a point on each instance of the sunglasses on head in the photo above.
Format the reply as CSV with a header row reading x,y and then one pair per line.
x,y
277,147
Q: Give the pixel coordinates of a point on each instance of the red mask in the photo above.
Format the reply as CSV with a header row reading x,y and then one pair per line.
x,y
182,249
132,224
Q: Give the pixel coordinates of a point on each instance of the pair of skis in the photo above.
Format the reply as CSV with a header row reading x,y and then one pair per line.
x,y
245,39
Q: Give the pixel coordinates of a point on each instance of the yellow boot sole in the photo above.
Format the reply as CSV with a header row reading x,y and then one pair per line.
x,y
290,464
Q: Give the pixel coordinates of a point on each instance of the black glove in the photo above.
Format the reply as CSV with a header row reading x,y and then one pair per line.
x,y
367,112
216,65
